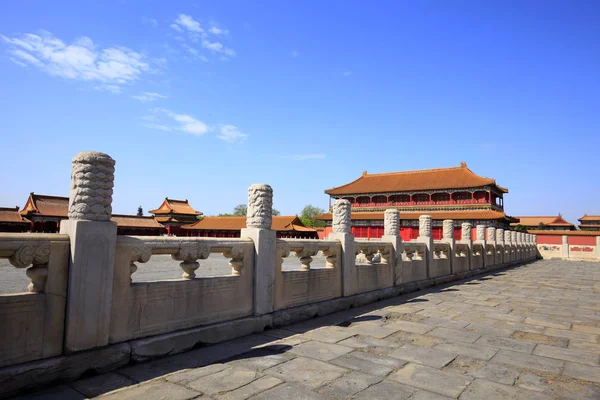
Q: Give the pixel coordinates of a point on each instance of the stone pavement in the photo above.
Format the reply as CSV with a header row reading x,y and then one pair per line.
x,y
530,332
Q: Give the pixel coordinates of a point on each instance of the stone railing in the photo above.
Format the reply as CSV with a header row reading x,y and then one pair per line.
x,y
102,319
33,322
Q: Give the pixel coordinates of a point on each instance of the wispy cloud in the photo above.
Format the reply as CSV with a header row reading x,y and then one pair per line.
x,y
218,31
114,89
196,33
232,134
302,157
150,21
81,60
146,97
347,73
189,23
175,122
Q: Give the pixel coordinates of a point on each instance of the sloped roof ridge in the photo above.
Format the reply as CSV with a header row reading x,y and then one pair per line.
x,y
47,196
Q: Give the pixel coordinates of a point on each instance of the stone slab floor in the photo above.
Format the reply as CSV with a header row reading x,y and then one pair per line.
x,y
530,332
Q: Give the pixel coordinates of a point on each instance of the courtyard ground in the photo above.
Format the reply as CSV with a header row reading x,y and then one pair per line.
x,y
530,332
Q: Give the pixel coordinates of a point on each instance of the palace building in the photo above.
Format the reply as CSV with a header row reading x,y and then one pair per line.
x,y
455,193
289,227
547,223
173,214
589,223
12,221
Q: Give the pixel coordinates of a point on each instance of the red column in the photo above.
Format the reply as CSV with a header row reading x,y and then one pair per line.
x,y
32,226
368,232
168,229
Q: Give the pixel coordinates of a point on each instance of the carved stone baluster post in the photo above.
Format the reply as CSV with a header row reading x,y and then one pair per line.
x,y
500,259
258,228
467,238
448,237
391,234
425,237
491,240
480,239
515,245
508,250
93,239
598,247
342,228
565,247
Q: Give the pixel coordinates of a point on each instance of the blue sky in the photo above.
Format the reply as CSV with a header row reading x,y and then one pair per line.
x,y
200,100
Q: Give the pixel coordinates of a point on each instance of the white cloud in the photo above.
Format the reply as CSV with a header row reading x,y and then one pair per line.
x,y
176,27
301,157
232,134
19,63
146,97
295,53
114,89
189,23
150,21
81,60
178,122
218,31
218,48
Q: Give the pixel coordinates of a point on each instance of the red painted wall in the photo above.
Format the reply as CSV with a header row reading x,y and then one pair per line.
x,y
549,239
582,240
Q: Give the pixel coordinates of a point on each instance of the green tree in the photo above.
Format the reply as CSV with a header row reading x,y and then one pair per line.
x,y
276,212
521,228
140,211
240,210
308,214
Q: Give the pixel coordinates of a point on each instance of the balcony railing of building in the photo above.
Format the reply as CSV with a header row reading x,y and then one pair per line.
x,y
422,203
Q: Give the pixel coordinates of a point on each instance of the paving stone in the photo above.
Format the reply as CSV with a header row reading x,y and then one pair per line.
x,y
260,359
224,381
504,317
504,374
62,392
362,365
288,391
582,371
508,344
559,386
467,349
576,345
367,341
425,395
587,329
581,336
530,361
190,375
427,378
100,384
482,389
307,372
455,334
432,357
257,386
329,334
444,323
378,359
376,330
581,357
410,317
319,350
548,322
492,330
519,326
540,338
349,384
386,390
155,390
401,338
412,327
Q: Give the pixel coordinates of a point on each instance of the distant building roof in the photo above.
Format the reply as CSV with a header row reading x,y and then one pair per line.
x,y
428,179
552,221
51,206
280,223
171,206
590,218
12,215
459,215
135,221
